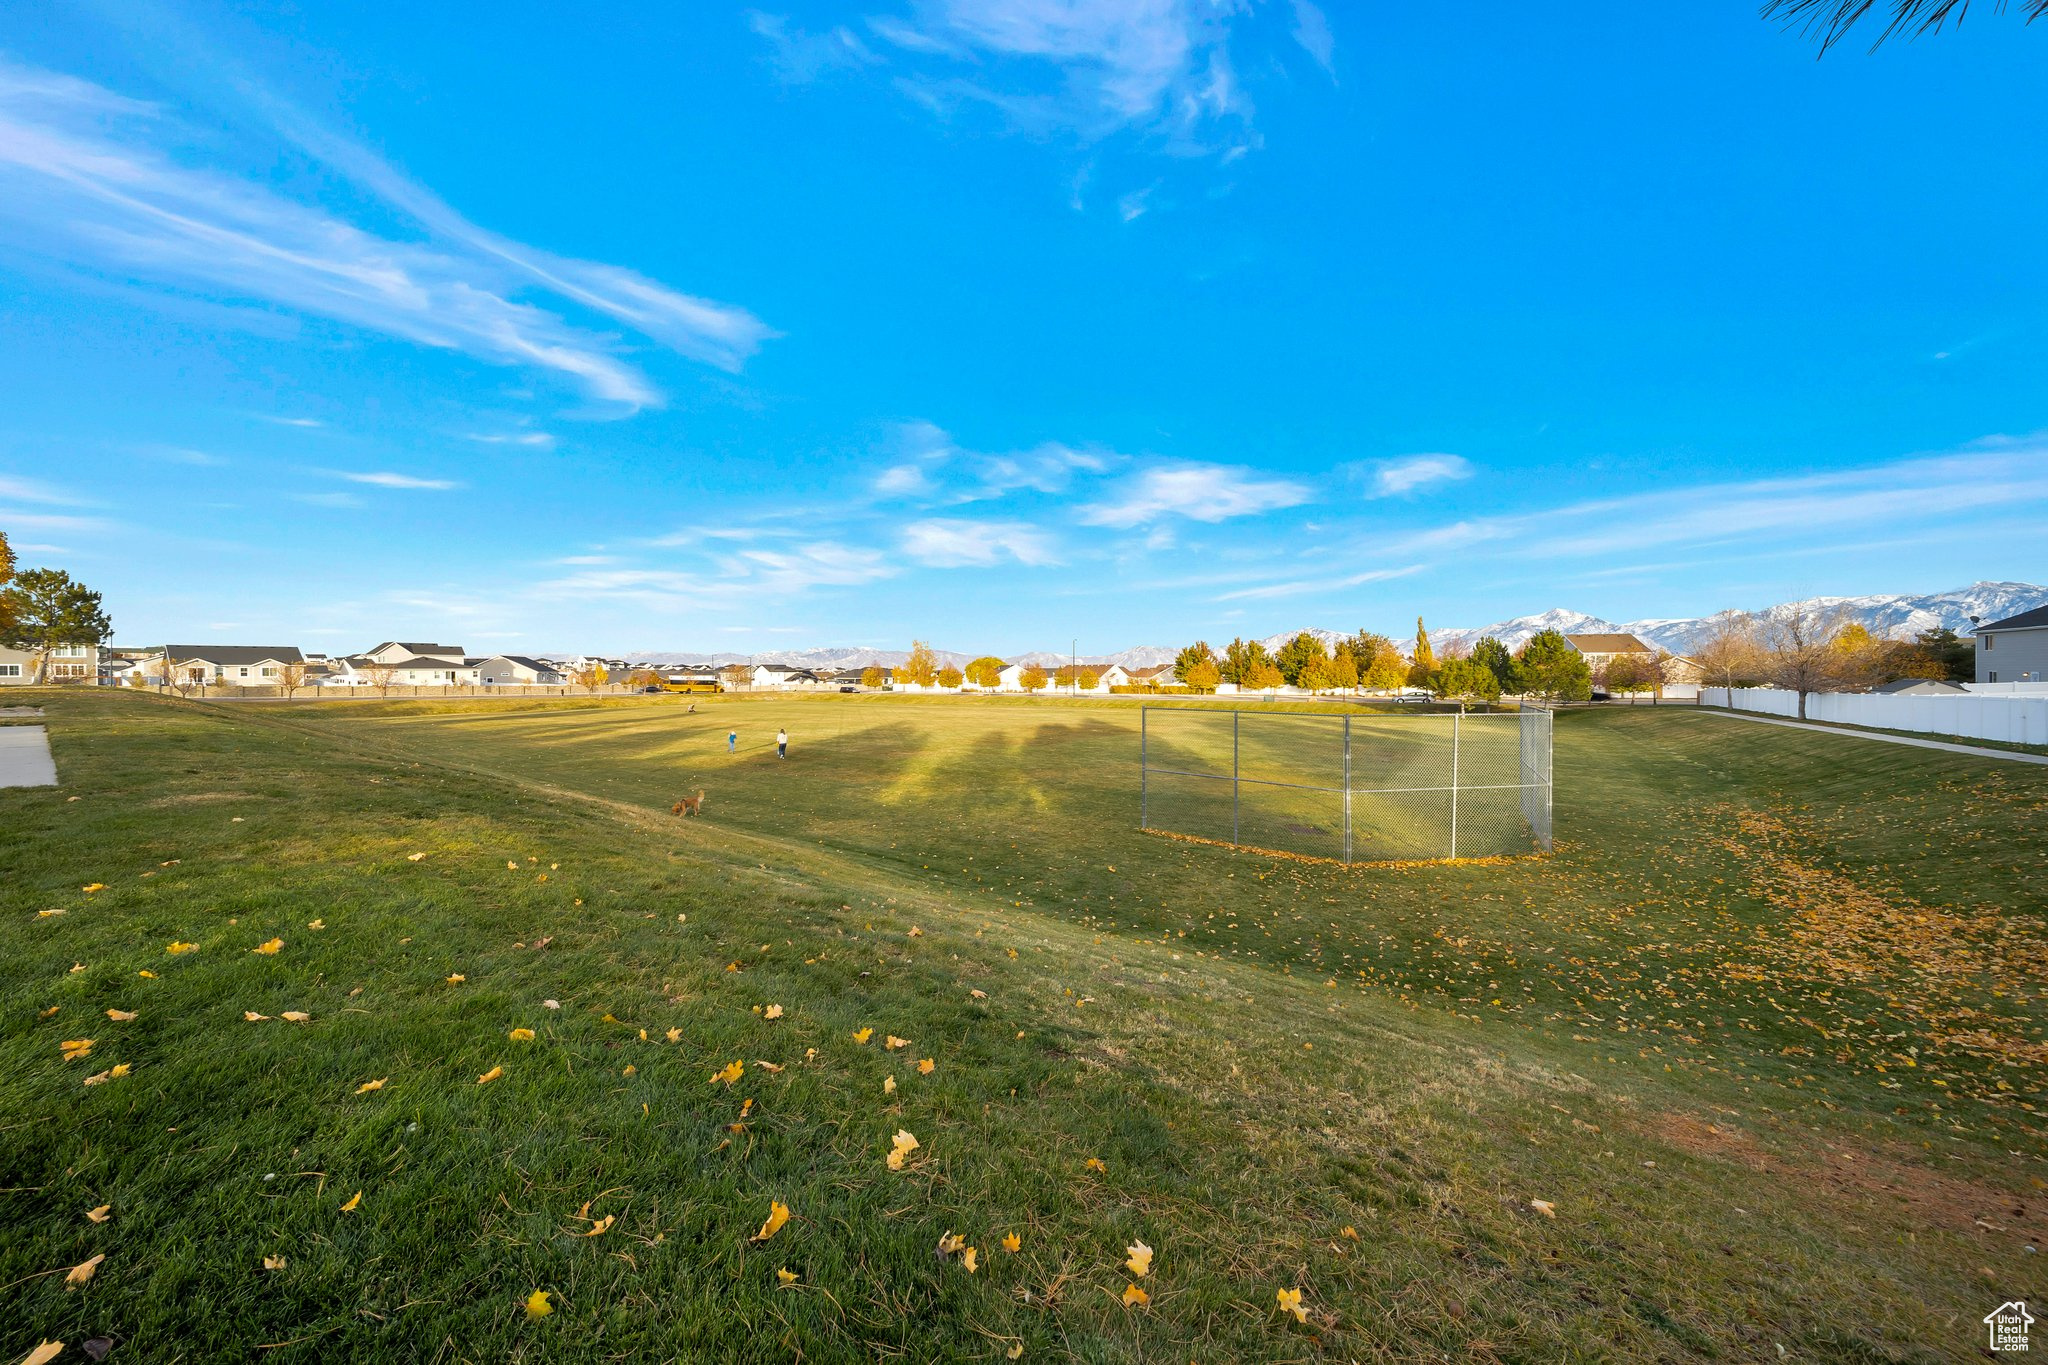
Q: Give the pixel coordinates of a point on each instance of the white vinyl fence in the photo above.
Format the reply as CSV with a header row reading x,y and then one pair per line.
x,y
2014,719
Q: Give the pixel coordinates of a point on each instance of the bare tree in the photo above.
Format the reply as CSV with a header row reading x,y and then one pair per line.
x,y
1732,651
180,675
1800,653
290,678
735,676
1831,20
382,676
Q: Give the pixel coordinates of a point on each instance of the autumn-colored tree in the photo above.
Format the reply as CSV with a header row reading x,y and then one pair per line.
x,y
7,621
1422,661
380,676
1384,670
736,676
590,677
873,676
1032,678
986,672
1241,660
1344,667
950,676
921,668
1264,676
1626,673
643,677
1194,656
1203,676
1317,675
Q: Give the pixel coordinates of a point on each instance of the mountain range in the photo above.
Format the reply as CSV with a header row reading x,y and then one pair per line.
x,y
1898,616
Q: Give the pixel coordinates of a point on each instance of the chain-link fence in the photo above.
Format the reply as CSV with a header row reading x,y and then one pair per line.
x,y
1366,787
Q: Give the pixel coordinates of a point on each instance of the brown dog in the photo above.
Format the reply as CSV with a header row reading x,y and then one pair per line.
x,y
689,805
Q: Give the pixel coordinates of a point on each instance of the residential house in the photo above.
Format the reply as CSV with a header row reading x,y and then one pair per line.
x,y
2014,649
782,677
857,677
516,670
66,664
1920,687
1159,675
1601,650
1073,677
399,651
223,665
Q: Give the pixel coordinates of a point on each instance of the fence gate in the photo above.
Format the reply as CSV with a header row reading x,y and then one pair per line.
x,y
1365,787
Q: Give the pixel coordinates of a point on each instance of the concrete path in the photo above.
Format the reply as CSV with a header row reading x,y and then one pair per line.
x,y
25,757
1970,749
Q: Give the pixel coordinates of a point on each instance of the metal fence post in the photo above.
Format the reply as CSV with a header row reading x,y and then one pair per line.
x,y
1236,782
1347,788
1455,718
1144,773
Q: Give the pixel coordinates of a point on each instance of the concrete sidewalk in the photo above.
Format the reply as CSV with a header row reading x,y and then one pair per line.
x,y
1945,747
25,757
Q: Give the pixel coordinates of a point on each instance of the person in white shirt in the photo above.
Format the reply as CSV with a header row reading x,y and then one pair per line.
x,y
782,744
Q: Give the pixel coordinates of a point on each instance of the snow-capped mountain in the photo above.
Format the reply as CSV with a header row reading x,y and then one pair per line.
x,y
1898,616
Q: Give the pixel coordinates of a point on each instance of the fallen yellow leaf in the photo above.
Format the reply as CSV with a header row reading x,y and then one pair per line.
x,y
893,1042
675,1035
862,1035
1016,1351
772,1012
1012,1242
84,1271
354,1200
602,1225
926,1067
1290,1301
537,1305
367,1086
1140,1261
273,1263
252,1017
148,973
75,1048
414,857
904,1144
1544,1207
100,1214
786,1276
296,1016
490,1075
1133,1294
96,886
181,948
120,1016
50,1011
457,979
1095,1163
268,949
43,1354
888,1085
729,1073
521,1035
778,1214
316,924
971,1258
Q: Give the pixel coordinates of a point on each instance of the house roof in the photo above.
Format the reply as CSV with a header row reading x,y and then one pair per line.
x,y
535,664
1156,671
1921,687
1608,644
417,662
2026,620
235,654
417,647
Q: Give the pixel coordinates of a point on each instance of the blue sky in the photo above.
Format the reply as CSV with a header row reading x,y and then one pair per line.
x,y
1001,324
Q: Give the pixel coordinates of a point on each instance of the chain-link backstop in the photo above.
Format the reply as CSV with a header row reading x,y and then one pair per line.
x,y
1365,787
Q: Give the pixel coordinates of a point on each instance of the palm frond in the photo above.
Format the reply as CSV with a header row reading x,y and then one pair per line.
x,y
1831,20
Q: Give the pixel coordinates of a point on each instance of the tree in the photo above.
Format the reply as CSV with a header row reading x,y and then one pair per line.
x,y
48,609
950,676
1731,651
986,672
921,668
1465,678
643,677
590,677
1297,654
1831,20
873,676
1240,659
290,678
7,622
1265,676
1194,656
1799,652
1344,667
1316,675
178,675
1494,657
1944,649
1423,662
1549,667
1032,678
736,676
1626,673
1203,676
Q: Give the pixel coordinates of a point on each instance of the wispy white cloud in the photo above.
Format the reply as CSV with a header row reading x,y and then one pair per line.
x,y
1312,31
34,490
758,578
538,440
90,177
803,56
385,479
1199,492
1392,478
1303,586
959,542
342,500
930,464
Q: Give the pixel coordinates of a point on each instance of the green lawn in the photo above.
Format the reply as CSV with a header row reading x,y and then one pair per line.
x,y
1765,1034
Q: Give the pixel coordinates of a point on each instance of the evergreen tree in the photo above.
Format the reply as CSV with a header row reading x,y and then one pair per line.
x,y
1549,667
1492,655
1297,654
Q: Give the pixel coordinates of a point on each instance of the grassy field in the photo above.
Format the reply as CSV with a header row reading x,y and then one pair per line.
x,y
1764,1037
